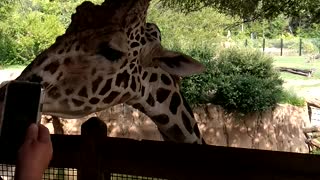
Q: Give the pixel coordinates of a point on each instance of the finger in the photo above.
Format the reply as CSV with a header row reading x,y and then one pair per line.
x,y
44,135
32,133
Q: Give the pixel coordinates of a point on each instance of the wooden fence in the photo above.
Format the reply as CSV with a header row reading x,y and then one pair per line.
x,y
96,157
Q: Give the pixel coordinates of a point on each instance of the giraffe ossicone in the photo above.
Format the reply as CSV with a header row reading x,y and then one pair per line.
x,y
110,55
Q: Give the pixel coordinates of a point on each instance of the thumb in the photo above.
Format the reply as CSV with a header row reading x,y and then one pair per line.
x,y
32,133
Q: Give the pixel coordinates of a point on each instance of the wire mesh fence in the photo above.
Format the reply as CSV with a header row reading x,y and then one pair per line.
x,y
60,174
7,173
131,177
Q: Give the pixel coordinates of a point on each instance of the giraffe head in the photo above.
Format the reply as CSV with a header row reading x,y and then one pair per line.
x,y
110,55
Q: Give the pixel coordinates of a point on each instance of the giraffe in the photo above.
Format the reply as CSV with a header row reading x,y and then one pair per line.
x,y
109,55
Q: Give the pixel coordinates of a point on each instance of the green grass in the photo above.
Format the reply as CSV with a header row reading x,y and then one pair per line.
x,y
290,97
297,62
296,84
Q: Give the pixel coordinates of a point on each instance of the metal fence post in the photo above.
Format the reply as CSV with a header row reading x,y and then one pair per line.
x,y
300,47
281,47
93,131
263,44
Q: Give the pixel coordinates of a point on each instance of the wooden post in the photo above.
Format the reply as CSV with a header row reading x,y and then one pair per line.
x,y
93,133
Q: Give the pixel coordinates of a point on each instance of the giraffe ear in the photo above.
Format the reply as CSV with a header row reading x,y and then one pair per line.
x,y
179,64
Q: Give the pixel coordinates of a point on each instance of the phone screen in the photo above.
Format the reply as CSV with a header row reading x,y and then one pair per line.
x,y
21,108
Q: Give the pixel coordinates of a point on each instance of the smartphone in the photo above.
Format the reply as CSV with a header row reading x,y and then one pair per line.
x,y
22,106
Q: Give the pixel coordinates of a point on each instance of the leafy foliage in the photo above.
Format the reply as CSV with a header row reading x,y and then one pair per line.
x,y
252,9
238,79
30,26
196,30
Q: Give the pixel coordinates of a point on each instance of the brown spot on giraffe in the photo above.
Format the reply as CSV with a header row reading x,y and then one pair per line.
x,y
64,102
142,90
67,61
96,83
123,78
133,85
35,78
175,103
111,97
41,59
83,92
59,76
162,94
87,108
176,133
139,107
161,119
52,67
196,130
94,100
45,85
76,102
165,79
186,105
153,77
125,97
143,41
135,70
186,122
150,100
77,47
106,88
69,91
124,64
140,69
144,75
134,44
135,53
54,92
93,71
60,51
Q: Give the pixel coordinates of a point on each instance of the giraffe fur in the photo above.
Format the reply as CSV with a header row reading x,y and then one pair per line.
x,y
109,55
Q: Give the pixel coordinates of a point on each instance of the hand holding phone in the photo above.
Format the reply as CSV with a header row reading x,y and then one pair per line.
x,y
21,107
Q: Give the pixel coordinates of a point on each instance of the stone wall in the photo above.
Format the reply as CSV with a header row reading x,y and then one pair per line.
x,y
278,130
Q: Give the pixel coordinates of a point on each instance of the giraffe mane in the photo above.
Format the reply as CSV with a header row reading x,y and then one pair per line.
x,y
118,12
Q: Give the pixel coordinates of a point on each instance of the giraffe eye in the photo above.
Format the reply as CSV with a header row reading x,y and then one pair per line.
x,y
109,53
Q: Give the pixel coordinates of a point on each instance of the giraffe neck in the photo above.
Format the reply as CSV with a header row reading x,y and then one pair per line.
x,y
168,109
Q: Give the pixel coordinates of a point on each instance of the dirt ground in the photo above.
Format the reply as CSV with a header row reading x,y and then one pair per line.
x,y
310,88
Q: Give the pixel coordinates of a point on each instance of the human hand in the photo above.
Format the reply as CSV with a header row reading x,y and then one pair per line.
x,y
35,153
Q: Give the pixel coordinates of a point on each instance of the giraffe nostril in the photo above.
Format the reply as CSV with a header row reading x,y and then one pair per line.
x,y
109,53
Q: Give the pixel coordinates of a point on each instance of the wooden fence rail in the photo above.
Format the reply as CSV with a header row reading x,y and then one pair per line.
x,y
95,156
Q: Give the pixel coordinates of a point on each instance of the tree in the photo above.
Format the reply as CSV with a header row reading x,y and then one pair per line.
x,y
250,10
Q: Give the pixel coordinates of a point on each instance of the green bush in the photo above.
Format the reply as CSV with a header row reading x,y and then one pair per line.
x,y
238,79
247,93
198,89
